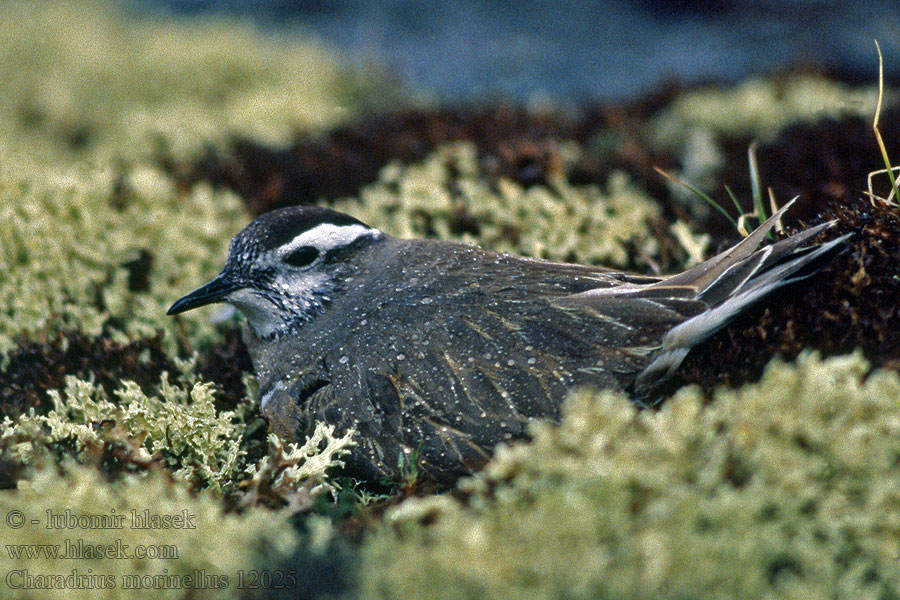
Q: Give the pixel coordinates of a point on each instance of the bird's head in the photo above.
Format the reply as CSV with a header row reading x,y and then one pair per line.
x,y
284,267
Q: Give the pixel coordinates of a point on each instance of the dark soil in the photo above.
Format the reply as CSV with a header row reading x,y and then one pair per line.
x,y
511,142
849,303
40,364
852,301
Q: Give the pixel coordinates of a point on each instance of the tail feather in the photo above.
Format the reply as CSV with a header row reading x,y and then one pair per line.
x,y
748,270
706,272
729,283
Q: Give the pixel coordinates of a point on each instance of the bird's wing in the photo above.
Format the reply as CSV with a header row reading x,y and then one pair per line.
x,y
445,381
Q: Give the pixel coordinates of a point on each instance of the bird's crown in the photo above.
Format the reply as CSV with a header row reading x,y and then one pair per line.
x,y
290,228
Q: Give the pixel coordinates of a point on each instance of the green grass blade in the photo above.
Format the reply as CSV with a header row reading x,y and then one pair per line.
x,y
698,193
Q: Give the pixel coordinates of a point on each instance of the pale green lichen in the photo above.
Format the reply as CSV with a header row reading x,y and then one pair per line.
x,y
64,250
181,426
201,554
86,76
695,245
296,474
181,423
781,489
90,95
758,107
556,221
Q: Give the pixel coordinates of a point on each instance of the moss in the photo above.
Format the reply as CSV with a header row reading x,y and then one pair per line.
x,y
448,196
782,489
96,242
213,545
779,489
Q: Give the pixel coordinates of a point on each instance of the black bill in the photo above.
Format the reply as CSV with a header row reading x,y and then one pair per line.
x,y
214,291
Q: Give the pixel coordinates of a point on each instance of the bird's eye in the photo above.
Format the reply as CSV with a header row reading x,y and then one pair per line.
x,y
302,256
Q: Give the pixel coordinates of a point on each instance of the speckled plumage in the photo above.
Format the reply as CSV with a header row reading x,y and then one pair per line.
x,y
436,351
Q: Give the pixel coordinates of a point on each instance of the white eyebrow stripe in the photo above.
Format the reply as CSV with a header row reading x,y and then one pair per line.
x,y
325,236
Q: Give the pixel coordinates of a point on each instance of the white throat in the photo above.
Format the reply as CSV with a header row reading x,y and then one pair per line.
x,y
295,300
262,315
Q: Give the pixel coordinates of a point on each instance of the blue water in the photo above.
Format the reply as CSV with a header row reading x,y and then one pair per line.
x,y
577,49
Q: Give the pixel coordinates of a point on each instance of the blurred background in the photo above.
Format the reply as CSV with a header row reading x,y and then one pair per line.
x,y
578,49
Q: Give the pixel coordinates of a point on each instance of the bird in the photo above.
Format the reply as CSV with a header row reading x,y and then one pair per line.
x,y
433,352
